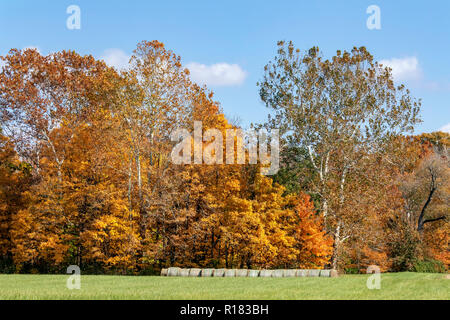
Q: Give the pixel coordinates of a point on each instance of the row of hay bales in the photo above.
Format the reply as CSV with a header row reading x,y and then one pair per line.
x,y
227,273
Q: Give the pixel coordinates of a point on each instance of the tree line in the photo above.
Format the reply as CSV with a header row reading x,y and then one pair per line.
x,y
86,176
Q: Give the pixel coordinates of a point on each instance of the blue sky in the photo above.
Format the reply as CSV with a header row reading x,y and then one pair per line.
x,y
235,39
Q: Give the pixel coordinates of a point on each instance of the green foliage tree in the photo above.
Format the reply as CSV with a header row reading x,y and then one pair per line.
x,y
341,110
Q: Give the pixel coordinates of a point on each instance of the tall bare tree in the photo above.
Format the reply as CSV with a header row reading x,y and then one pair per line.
x,y
426,192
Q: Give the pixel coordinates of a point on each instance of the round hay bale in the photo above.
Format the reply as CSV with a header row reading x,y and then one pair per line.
x,y
253,273
184,272
314,272
242,273
277,273
164,272
195,272
207,272
219,272
265,273
334,273
325,273
289,273
302,273
173,272
229,273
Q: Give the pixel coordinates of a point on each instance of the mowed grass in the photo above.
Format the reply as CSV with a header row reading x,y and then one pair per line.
x,y
393,286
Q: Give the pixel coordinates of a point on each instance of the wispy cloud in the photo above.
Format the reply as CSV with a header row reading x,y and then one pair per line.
x,y
404,69
445,128
219,74
408,70
116,58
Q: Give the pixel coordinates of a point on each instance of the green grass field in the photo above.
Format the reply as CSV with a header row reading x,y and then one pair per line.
x,y
393,286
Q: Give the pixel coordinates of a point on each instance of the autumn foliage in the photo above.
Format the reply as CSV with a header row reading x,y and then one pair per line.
x,y
86,176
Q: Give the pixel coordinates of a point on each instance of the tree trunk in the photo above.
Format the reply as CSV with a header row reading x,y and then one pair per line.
x,y
139,176
336,248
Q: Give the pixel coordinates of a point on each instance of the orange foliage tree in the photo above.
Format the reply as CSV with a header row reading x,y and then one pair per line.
x,y
95,185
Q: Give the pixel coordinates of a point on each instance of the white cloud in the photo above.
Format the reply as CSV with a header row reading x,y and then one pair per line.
x,y
445,128
404,69
219,74
116,58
